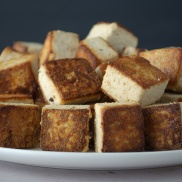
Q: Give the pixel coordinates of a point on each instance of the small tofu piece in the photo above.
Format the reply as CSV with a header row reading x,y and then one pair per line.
x,y
59,45
134,79
28,47
97,51
119,127
162,126
115,34
69,81
19,76
169,61
65,128
101,70
170,97
19,125
16,98
131,51
9,53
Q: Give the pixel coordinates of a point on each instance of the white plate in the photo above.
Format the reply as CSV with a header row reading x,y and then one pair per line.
x,y
91,160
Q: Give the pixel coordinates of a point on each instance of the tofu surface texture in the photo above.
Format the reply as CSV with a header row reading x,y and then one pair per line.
x,y
69,81
65,128
134,79
118,127
19,125
163,126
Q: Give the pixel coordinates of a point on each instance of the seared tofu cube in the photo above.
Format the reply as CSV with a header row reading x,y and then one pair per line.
x,y
134,79
65,128
162,126
118,127
69,81
19,125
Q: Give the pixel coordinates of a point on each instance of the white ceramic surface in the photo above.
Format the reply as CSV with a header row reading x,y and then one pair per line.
x,y
91,160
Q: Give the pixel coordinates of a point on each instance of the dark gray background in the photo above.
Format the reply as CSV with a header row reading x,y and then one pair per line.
x,y
156,23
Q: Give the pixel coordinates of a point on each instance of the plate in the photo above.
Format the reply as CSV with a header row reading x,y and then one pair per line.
x,y
92,160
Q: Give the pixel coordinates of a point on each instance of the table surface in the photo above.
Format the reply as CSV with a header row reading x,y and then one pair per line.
x,y
22,173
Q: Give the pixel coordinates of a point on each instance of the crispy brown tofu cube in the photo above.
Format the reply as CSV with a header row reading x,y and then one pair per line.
x,y
118,127
19,125
169,61
162,126
19,76
69,81
134,79
65,128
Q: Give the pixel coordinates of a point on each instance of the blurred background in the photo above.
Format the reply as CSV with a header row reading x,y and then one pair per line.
x,y
156,23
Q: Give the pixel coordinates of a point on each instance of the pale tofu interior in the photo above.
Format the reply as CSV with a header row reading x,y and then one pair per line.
x,y
101,49
67,107
159,104
98,129
129,51
32,47
13,62
18,104
49,90
153,94
8,53
123,89
117,36
120,87
65,44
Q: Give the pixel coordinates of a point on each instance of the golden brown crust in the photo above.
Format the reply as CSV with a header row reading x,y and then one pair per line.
x,y
85,52
139,70
19,96
123,129
91,128
18,80
14,98
73,78
19,126
162,127
168,60
65,130
46,53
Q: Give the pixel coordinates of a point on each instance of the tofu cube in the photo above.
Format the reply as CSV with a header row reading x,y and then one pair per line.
x,y
19,75
118,127
69,81
19,125
59,45
134,79
115,34
169,61
65,128
162,126
97,51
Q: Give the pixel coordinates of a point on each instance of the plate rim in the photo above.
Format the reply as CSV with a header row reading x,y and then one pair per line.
x,y
92,160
